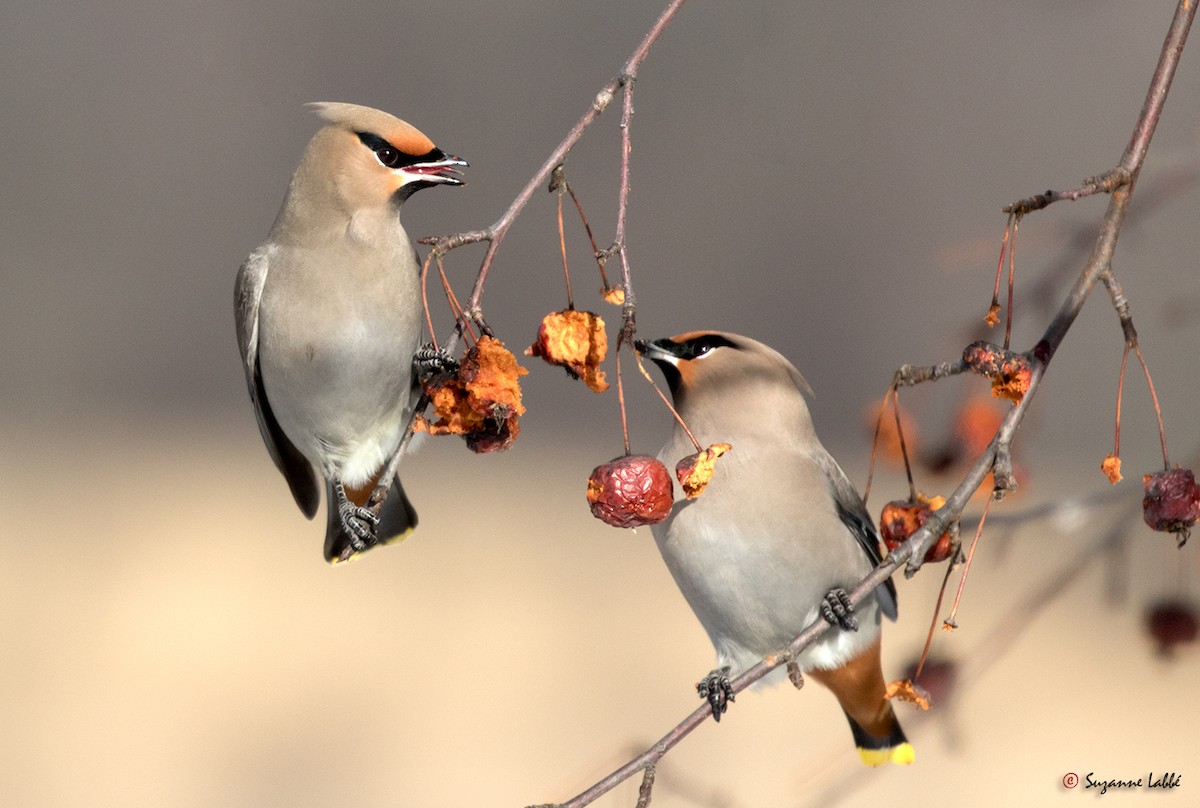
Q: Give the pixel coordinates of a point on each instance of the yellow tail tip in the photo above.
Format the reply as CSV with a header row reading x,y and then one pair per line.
x,y
901,755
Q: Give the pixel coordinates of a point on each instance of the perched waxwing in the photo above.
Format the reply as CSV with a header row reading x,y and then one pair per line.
x,y
329,319
777,537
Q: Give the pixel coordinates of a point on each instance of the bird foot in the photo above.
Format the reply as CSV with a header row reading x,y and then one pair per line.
x,y
359,523
430,362
838,611
716,690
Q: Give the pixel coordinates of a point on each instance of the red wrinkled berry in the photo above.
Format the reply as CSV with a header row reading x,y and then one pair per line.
x,y
1172,623
630,491
902,517
1172,502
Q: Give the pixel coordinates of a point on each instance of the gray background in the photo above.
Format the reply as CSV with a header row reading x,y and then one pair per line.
x,y
825,177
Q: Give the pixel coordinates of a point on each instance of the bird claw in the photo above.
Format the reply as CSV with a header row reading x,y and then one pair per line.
x,y
717,691
359,523
430,362
838,611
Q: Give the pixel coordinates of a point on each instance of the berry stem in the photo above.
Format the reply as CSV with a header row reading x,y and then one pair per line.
x,y
937,608
1120,390
601,258
425,299
1012,273
667,401
621,399
912,487
1162,435
562,247
950,622
994,308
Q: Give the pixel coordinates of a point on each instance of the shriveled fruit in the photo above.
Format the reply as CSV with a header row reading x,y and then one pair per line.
x,y
903,517
1111,466
695,470
630,491
1009,371
575,340
482,401
1172,502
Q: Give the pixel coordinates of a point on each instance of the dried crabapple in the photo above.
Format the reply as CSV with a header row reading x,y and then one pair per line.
x,y
1009,371
903,517
630,491
575,340
481,401
1172,502
696,470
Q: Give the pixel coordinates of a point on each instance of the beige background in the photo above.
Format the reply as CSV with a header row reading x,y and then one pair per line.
x,y
826,177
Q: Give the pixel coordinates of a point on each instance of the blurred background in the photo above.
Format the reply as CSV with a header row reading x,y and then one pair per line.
x,y
825,177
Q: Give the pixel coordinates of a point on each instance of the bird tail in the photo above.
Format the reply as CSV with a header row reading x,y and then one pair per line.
x,y
860,689
397,519
876,751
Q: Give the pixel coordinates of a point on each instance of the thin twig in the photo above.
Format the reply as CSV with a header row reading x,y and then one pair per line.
x,y
629,308
1104,184
495,234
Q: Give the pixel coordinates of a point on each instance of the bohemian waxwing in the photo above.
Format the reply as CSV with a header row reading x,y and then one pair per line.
x,y
329,319
778,535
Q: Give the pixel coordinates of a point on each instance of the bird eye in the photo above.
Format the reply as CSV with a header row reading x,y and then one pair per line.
x,y
699,346
388,156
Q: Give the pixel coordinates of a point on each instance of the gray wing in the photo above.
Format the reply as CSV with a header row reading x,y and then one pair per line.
x,y
854,514
293,465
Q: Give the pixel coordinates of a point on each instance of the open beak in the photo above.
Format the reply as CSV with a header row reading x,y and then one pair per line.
x,y
442,170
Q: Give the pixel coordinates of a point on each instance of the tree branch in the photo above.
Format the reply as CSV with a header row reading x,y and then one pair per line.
x,y
913,549
494,234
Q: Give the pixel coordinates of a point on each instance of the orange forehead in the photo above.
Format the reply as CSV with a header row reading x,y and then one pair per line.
x,y
357,118
408,139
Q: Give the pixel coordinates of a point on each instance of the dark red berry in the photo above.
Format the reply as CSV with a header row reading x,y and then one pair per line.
x,y
1172,502
630,491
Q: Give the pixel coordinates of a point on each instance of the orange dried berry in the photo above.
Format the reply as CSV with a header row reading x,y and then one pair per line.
x,y
1012,387
903,517
939,677
907,690
1111,466
482,401
695,470
575,340
631,491
614,295
1009,371
1172,502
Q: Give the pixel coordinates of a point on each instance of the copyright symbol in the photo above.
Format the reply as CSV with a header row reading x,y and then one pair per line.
x,y
1070,779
